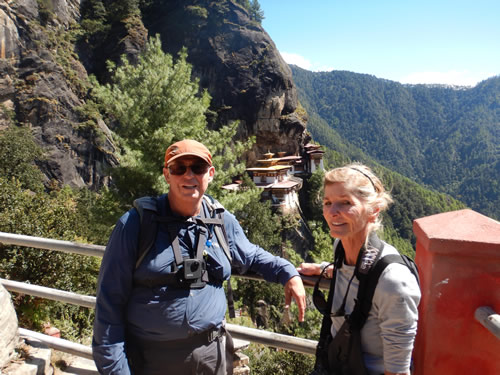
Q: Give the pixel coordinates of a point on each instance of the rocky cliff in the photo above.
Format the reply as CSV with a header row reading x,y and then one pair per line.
x,y
45,63
39,75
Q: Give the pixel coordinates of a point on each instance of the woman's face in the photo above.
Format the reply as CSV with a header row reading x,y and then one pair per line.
x,y
346,215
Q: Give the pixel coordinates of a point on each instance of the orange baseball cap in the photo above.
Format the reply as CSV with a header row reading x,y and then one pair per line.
x,y
187,147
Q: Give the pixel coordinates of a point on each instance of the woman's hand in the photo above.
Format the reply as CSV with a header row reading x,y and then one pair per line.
x,y
314,269
309,269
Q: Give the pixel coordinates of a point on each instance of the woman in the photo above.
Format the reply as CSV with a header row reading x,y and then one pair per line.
x,y
353,201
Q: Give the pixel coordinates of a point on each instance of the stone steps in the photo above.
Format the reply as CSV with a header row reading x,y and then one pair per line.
x,y
34,358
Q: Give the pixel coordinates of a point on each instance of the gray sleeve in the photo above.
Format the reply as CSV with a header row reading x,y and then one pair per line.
x,y
397,297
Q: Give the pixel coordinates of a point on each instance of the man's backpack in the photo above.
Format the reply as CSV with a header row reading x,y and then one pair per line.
x,y
147,208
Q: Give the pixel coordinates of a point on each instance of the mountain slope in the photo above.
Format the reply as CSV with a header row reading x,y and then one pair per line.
x,y
442,137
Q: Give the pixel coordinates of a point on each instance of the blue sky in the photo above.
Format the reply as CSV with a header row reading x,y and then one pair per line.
x,y
440,41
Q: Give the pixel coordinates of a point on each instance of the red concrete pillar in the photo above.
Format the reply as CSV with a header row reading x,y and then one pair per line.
x,y
458,255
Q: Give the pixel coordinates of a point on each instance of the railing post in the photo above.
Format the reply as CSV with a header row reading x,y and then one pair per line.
x,y
489,319
458,255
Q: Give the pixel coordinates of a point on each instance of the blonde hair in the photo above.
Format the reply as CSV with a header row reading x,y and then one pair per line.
x,y
365,185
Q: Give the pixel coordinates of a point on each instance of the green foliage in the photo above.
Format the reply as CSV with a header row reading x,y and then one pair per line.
x,y
197,11
312,194
18,152
100,211
254,10
45,11
102,14
411,201
323,244
55,215
269,361
256,13
262,227
119,10
26,208
94,21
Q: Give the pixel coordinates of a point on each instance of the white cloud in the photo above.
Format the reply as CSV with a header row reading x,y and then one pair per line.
x,y
293,58
302,62
322,68
452,77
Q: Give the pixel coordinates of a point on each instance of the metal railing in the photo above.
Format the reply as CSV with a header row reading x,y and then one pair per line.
x,y
484,314
56,343
276,340
97,250
489,319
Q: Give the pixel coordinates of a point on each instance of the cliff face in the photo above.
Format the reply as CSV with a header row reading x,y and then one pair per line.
x,y
42,68
239,64
39,77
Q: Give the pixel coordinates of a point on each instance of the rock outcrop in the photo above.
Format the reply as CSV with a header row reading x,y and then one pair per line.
x,y
39,83
9,337
239,64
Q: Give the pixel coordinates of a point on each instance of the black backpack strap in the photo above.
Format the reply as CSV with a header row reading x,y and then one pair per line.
x,y
370,284
217,212
325,336
147,207
368,270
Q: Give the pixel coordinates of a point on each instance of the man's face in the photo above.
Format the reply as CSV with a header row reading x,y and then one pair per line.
x,y
188,178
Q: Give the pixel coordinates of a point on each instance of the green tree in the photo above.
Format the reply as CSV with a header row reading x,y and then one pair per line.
x,y
254,10
256,13
27,208
18,153
153,104
51,215
312,195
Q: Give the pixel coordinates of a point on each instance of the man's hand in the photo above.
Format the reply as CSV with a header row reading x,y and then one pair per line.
x,y
294,288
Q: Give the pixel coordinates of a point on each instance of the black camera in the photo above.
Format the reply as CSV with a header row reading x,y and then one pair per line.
x,y
194,269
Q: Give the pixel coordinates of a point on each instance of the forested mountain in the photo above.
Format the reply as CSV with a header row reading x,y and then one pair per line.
x,y
443,137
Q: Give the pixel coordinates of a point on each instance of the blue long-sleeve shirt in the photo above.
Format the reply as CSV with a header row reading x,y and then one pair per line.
x,y
123,306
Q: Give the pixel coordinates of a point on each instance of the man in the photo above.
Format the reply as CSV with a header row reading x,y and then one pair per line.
x,y
175,326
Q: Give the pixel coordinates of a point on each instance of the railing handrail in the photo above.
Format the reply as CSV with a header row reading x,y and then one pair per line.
x,y
50,244
489,319
57,343
49,293
484,314
245,333
98,250
276,340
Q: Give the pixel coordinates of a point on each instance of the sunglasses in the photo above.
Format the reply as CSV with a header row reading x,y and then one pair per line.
x,y
180,169
320,301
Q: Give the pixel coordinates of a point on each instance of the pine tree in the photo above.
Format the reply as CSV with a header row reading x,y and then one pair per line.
x,y
153,104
